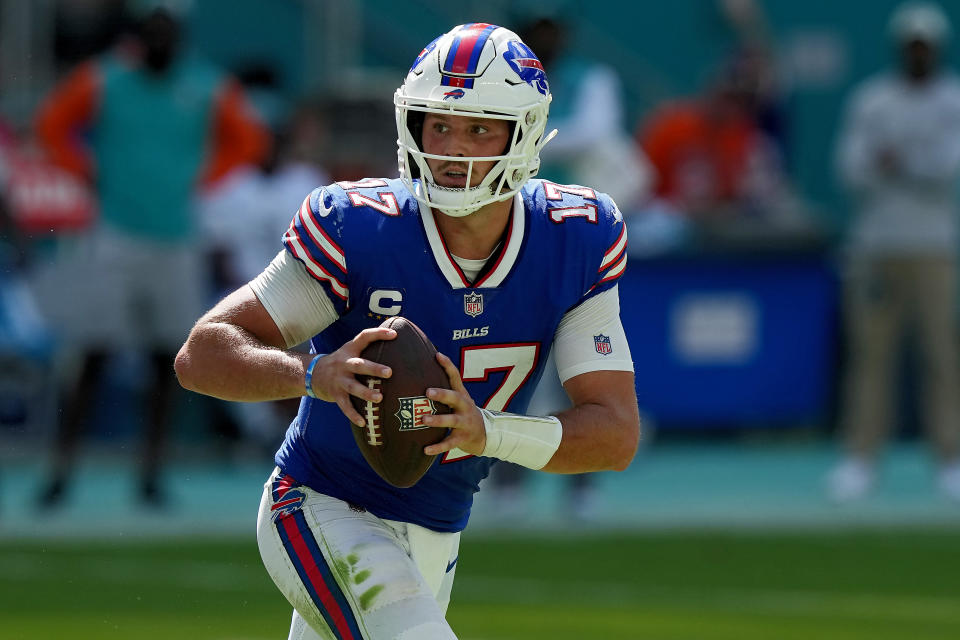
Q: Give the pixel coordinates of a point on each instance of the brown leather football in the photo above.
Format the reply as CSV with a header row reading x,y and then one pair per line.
x,y
394,437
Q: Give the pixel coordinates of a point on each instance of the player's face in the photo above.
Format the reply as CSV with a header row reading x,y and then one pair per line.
x,y
919,58
462,136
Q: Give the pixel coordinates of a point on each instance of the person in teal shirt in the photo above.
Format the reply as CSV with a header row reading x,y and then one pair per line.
x,y
146,125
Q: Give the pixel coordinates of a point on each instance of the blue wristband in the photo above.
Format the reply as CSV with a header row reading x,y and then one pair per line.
x,y
308,378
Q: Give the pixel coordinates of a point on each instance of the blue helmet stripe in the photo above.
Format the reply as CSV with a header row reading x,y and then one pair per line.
x,y
478,48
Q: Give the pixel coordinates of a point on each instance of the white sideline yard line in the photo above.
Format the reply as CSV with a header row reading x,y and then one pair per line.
x,y
780,601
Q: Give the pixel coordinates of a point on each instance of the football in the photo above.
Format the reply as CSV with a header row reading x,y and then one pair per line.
x,y
394,436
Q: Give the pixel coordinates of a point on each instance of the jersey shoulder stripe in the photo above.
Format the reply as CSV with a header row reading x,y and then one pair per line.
x,y
614,261
317,249
298,248
330,248
614,272
618,248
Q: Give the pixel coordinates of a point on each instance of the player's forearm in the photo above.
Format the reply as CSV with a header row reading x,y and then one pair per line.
x,y
596,438
225,361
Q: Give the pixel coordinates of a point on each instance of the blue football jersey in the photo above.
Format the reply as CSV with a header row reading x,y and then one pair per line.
x,y
378,253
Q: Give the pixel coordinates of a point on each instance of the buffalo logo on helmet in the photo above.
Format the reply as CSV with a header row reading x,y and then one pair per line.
x,y
526,65
456,94
423,54
412,410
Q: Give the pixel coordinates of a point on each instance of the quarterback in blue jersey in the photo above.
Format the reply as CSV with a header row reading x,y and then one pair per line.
x,y
495,266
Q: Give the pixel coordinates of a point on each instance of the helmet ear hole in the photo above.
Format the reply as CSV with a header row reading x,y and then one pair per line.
x,y
415,126
413,168
510,141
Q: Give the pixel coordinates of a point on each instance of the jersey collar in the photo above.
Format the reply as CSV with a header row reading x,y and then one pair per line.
x,y
493,277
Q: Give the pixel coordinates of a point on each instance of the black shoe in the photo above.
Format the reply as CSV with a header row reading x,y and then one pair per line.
x,y
53,494
152,496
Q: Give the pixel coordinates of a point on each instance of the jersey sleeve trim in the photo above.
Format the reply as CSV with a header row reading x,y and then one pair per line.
x,y
320,237
292,240
614,261
307,242
614,252
615,272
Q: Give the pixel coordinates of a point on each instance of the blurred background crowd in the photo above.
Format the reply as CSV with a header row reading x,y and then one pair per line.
x,y
789,174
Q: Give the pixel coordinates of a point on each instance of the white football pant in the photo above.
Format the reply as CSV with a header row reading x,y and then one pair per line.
x,y
351,575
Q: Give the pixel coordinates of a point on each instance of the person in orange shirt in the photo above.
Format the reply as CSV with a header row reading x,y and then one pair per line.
x,y
705,149
146,126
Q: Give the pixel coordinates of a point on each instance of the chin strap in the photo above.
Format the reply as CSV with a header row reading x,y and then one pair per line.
x,y
547,138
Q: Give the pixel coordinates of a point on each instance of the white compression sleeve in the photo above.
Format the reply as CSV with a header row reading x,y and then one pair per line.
x,y
295,301
529,441
576,344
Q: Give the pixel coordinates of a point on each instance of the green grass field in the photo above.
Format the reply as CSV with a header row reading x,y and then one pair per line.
x,y
664,586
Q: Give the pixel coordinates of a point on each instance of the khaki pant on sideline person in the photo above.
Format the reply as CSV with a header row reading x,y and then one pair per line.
x,y
885,297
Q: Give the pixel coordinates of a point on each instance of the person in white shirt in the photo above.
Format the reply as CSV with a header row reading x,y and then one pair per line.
x,y
899,155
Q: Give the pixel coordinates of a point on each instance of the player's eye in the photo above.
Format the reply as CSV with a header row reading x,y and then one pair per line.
x,y
440,127
480,129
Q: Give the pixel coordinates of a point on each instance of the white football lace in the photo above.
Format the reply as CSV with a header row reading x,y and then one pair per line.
x,y
373,416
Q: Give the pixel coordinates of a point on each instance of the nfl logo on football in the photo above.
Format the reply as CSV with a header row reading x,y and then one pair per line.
x,y
602,343
473,304
412,411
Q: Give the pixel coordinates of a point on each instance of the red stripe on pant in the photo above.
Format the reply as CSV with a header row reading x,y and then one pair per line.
x,y
316,580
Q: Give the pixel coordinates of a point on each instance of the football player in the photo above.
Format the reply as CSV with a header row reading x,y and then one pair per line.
x,y
495,267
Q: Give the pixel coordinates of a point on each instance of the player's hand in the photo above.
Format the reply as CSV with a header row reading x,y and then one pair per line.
x,y
334,377
468,431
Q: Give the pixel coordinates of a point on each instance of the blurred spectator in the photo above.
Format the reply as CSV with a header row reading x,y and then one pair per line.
x,y
712,160
244,217
37,200
145,124
592,146
25,343
899,153
753,63
12,251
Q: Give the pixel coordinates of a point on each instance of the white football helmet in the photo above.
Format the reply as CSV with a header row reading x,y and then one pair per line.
x,y
475,69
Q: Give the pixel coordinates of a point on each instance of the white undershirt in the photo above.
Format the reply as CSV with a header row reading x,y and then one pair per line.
x,y
301,309
471,268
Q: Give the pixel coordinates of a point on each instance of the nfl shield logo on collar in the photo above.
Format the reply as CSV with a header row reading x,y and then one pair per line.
x,y
602,343
473,304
